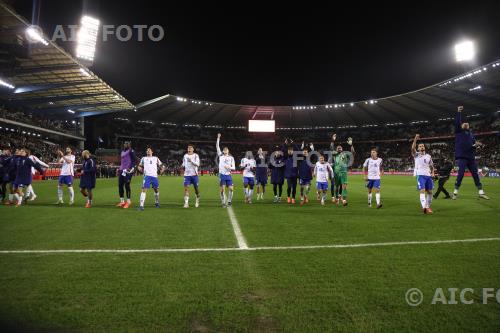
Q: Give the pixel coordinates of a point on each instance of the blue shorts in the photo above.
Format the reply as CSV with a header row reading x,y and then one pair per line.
x,y
150,181
66,180
424,183
304,181
226,180
322,186
248,181
191,180
16,186
373,183
261,180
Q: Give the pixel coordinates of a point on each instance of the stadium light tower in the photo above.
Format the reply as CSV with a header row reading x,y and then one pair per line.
x,y
87,38
465,51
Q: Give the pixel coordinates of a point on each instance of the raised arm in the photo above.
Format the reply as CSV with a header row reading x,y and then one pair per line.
x,y
217,145
458,120
349,142
414,145
332,143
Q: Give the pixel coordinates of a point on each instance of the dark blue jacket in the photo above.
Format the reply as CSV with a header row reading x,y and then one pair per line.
x,y
261,170
23,170
9,168
291,171
464,140
4,161
277,170
89,168
305,170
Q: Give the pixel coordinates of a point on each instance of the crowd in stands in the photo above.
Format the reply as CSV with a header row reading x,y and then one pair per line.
x,y
393,143
34,119
169,142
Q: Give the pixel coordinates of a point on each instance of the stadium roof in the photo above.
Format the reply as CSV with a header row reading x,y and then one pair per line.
x,y
47,79
477,90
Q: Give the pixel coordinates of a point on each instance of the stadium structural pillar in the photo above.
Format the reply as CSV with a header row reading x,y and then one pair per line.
x,y
81,131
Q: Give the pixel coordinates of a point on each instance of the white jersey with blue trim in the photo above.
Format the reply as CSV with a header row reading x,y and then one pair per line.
x,y
248,164
191,164
226,162
150,165
373,166
68,169
322,172
423,164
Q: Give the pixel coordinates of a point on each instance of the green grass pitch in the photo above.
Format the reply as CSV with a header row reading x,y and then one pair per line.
x,y
351,289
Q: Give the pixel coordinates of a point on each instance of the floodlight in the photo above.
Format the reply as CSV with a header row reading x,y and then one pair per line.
x,y
6,84
34,35
87,38
465,51
267,126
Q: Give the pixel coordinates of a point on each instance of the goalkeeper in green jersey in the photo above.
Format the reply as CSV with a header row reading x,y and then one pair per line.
x,y
342,160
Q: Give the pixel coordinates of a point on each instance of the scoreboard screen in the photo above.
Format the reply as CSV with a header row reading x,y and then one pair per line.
x,y
265,126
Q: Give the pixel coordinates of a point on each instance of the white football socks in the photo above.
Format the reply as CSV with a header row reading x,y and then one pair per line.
x,y
429,200
377,197
157,197
71,194
423,202
369,199
60,193
142,199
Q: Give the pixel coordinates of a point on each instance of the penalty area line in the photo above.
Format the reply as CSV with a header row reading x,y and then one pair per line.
x,y
260,248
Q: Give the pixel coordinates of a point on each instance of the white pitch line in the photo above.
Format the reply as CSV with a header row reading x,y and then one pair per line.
x,y
242,243
259,248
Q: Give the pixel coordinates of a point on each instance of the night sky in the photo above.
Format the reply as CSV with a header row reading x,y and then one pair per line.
x,y
289,55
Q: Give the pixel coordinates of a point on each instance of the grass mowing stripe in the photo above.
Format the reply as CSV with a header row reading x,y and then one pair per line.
x,y
261,248
242,243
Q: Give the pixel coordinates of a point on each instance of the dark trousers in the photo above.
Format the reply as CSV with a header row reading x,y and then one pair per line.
x,y
291,186
124,185
278,189
3,190
472,166
441,182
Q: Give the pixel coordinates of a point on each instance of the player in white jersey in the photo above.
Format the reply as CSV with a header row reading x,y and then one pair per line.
x,y
322,172
66,175
372,170
191,163
149,167
226,165
30,193
248,164
424,171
